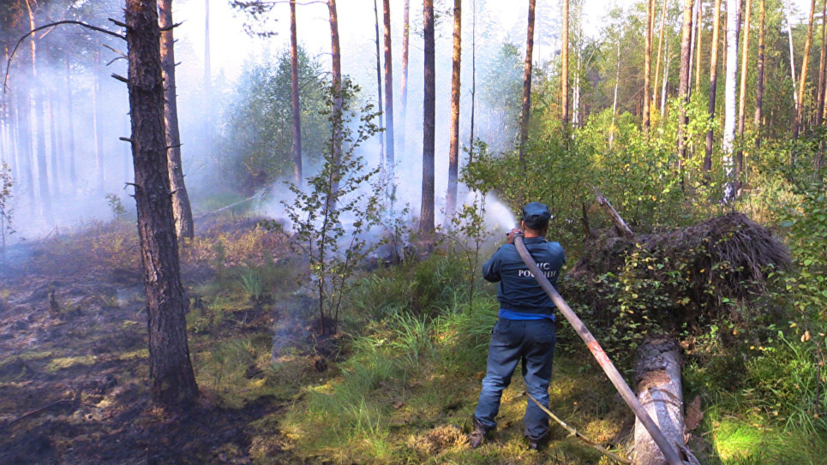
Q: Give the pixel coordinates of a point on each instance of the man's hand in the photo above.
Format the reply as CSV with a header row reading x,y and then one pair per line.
x,y
512,234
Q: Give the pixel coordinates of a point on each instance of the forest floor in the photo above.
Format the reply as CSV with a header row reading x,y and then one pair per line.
x,y
398,384
74,365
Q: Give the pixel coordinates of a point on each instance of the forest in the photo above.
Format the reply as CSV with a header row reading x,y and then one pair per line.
x,y
317,184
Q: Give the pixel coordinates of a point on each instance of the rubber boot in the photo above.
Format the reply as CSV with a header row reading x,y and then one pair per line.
x,y
477,436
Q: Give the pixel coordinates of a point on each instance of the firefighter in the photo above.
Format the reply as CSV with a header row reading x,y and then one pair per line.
x,y
525,330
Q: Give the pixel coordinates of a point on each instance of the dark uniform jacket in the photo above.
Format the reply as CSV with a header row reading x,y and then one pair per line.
x,y
518,290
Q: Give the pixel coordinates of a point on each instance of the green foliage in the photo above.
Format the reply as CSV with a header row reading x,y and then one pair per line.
x,y
257,139
334,195
116,205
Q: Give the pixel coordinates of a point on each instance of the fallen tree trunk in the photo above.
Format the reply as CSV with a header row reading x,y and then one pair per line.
x,y
659,390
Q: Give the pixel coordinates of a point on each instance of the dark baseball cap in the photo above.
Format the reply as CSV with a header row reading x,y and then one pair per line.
x,y
536,215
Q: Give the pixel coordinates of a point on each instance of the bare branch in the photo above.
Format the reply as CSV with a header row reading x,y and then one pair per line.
x,y
169,28
125,139
47,26
116,59
115,50
118,23
120,78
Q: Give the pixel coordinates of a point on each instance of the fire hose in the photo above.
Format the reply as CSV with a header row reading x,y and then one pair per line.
x,y
602,359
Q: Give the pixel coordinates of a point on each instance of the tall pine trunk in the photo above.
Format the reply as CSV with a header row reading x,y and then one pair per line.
x,y
403,91
742,100
683,88
453,154
614,99
660,50
699,46
389,128
426,220
172,382
473,79
732,32
336,73
821,68
379,96
526,108
759,80
564,74
184,225
713,84
805,62
294,93
647,65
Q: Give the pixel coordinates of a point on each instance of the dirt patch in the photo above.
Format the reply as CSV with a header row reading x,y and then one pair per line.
x,y
74,370
434,441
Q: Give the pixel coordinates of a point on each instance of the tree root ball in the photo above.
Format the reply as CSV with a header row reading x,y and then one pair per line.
x,y
687,274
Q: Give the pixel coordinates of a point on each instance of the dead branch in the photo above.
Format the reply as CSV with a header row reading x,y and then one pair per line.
x,y
36,411
620,226
46,26
120,78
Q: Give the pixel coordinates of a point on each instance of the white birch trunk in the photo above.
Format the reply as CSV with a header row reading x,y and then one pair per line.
x,y
729,96
789,14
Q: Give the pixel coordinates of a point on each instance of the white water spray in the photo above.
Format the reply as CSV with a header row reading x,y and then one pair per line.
x,y
499,213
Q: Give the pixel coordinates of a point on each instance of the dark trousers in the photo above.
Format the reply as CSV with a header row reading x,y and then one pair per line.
x,y
531,341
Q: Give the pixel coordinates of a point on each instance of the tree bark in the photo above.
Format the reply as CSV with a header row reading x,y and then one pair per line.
x,y
742,101
426,220
294,93
184,225
526,108
336,73
660,49
713,84
821,67
759,80
647,65
403,93
379,96
699,46
453,154
389,127
683,89
172,382
805,62
659,390
732,32
614,99
564,74
473,79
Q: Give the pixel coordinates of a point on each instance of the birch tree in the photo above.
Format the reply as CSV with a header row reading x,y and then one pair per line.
x,y
732,31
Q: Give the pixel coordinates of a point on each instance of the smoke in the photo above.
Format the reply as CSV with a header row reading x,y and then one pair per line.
x,y
76,152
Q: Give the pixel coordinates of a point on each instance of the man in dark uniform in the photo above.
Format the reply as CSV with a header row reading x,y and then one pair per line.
x,y
525,329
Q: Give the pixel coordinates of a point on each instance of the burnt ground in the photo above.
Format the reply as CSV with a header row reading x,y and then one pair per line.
x,y
74,374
